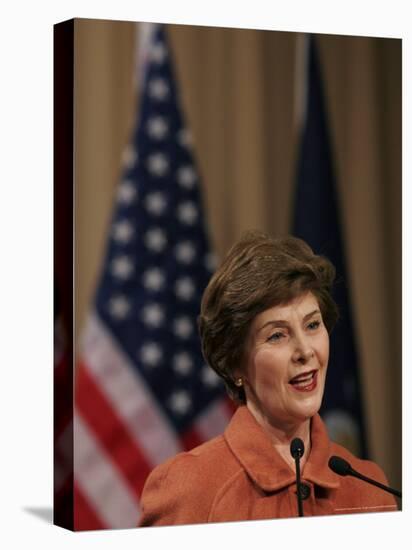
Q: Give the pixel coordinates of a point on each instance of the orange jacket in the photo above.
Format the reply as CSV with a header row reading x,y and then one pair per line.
x,y
239,475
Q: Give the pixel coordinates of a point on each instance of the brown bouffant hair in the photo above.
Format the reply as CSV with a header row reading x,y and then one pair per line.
x,y
258,272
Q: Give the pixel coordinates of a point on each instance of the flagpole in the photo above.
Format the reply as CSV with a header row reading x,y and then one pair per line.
x,y
143,36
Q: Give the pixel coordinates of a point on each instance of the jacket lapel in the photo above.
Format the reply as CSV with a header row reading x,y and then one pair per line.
x,y
255,452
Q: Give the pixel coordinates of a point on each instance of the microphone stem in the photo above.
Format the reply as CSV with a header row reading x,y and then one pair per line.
x,y
376,483
298,491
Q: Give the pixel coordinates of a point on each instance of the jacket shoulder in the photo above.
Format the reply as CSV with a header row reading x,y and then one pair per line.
x,y
182,489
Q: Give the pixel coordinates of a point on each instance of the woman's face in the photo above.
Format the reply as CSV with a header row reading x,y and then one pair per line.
x,y
286,361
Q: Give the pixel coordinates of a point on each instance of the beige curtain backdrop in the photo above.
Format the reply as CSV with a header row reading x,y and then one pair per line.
x,y
237,90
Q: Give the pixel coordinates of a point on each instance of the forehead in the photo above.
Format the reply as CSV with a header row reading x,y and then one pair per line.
x,y
299,306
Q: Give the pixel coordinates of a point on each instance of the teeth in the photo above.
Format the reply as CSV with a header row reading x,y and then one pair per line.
x,y
303,379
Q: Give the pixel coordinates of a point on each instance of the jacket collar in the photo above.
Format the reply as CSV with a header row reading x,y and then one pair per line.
x,y
254,450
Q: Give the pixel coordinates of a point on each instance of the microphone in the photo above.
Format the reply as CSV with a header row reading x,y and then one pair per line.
x,y
341,467
297,449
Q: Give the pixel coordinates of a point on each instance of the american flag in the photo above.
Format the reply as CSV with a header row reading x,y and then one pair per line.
x,y
143,391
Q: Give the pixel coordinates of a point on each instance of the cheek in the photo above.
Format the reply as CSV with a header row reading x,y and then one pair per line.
x,y
268,366
324,349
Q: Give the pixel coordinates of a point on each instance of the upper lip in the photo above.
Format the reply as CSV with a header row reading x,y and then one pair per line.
x,y
302,374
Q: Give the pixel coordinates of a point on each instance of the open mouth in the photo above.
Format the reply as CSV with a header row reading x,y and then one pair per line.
x,y
306,381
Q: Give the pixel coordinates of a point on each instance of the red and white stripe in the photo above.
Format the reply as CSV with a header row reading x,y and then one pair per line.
x,y
63,456
127,393
120,433
63,425
109,495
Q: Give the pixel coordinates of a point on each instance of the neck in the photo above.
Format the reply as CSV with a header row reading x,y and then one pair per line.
x,y
282,435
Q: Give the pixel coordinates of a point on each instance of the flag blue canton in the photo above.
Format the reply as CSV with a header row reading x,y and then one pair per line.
x,y
158,260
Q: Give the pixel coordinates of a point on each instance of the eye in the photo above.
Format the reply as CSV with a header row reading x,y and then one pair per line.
x,y
314,325
276,336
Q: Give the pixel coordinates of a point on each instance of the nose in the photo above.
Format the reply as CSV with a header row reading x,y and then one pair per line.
x,y
303,351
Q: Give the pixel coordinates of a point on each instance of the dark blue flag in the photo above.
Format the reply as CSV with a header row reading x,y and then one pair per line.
x,y
317,221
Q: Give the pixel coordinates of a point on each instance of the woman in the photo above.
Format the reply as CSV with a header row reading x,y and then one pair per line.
x,y
265,321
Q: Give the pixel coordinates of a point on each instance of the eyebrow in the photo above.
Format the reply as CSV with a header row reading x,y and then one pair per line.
x,y
283,323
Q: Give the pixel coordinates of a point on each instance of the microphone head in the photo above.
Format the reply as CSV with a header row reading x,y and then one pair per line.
x,y
297,448
340,466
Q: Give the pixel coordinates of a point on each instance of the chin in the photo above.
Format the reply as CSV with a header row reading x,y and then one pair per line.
x,y
306,406
307,410
308,413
